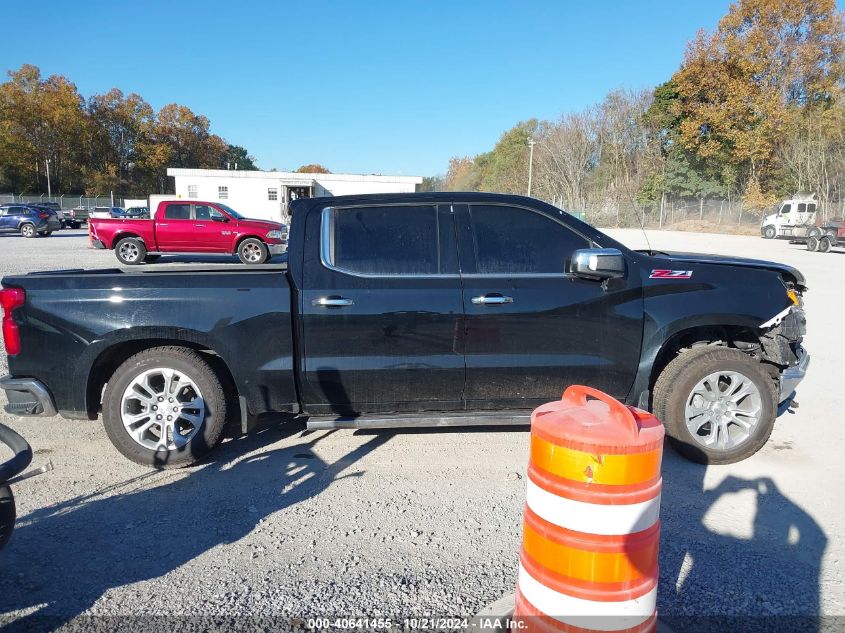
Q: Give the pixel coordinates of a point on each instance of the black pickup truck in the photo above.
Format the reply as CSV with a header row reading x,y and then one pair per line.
x,y
411,309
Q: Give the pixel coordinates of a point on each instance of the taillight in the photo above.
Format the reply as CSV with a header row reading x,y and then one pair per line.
x,y
11,298
43,216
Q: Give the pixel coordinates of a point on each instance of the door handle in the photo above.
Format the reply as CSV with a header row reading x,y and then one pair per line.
x,y
199,226
161,224
332,302
491,300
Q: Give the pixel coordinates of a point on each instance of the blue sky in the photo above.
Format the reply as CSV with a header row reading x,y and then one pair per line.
x,y
364,87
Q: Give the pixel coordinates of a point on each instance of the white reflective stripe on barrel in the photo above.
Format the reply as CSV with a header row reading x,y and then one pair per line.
x,y
587,614
592,518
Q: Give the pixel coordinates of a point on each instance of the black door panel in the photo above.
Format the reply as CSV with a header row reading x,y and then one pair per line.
x,y
533,332
382,322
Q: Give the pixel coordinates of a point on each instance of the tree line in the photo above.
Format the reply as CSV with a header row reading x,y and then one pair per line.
x,y
755,112
108,142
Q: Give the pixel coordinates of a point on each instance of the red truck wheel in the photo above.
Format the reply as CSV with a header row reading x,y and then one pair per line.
x,y
130,251
253,251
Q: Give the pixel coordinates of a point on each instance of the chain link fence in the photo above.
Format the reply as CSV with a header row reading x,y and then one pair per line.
x,y
64,201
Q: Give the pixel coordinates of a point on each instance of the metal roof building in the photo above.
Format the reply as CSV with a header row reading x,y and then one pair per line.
x,y
266,194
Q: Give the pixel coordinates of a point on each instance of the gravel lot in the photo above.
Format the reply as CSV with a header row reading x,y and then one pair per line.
x,y
288,523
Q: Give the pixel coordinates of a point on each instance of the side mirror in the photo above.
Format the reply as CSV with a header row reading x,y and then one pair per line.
x,y
597,263
219,218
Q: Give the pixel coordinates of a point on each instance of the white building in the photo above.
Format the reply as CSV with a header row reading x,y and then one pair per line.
x,y
266,194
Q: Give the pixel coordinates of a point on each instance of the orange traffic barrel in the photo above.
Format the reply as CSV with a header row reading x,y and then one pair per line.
x,y
591,532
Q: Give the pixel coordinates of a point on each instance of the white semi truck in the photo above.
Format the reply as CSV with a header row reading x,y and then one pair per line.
x,y
795,218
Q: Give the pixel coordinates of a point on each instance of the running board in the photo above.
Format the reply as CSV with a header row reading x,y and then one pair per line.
x,y
412,420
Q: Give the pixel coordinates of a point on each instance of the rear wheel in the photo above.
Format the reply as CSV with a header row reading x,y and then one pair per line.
x,y
825,244
164,407
812,243
130,251
28,230
718,404
253,251
769,232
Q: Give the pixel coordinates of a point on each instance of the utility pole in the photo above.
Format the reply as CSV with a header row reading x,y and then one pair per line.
x,y
49,192
531,142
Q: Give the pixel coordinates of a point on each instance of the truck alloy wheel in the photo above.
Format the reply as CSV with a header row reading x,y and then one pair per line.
x,y
718,404
812,243
253,251
769,232
130,251
164,407
722,410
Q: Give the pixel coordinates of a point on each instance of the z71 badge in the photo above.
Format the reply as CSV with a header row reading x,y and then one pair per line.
x,y
670,274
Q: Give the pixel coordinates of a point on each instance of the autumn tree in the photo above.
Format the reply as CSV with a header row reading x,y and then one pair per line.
x,y
237,157
41,120
313,168
118,128
767,62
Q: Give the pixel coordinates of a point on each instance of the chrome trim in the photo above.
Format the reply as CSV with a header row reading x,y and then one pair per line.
x,y
34,388
491,300
331,302
792,376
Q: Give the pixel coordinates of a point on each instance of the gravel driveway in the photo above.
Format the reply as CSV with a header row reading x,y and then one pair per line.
x,y
294,524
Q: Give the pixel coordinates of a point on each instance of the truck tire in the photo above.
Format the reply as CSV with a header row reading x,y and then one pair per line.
x,y
253,251
769,232
28,230
130,251
812,243
709,427
145,413
825,244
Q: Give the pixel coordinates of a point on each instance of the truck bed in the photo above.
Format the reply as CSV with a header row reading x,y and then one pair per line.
x,y
242,315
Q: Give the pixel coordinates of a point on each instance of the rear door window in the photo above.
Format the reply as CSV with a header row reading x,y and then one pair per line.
x,y
512,240
385,240
177,212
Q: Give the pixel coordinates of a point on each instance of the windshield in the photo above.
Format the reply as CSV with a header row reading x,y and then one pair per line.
x,y
231,211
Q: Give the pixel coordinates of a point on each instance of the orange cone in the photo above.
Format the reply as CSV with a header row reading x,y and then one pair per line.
x,y
591,532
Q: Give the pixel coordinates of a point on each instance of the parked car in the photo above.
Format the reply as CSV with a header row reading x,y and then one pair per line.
x,y
182,226
28,220
105,212
137,212
79,215
54,209
409,310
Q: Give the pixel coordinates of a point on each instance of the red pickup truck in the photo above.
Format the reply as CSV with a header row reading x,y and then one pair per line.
x,y
189,226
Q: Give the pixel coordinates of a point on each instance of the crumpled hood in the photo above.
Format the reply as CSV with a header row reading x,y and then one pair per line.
x,y
697,258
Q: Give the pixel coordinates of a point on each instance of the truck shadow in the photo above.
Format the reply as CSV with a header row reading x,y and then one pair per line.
x,y
65,557
759,577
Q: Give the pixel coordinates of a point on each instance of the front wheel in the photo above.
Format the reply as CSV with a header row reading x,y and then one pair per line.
x,y
164,407
769,232
253,251
718,404
28,230
130,251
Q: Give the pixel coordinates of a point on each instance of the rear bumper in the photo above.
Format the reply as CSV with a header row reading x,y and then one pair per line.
x,y
98,244
27,397
792,376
